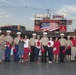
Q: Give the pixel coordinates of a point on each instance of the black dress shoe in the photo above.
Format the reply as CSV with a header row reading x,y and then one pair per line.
x,y
8,60
61,61
15,60
5,60
41,61
72,60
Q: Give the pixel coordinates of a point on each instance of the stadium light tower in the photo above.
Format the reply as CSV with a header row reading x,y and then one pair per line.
x,y
48,12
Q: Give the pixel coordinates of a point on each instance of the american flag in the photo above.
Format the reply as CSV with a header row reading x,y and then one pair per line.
x,y
49,26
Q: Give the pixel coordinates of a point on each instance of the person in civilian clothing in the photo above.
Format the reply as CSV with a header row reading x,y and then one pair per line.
x,y
21,50
50,46
26,48
32,48
56,50
68,48
44,41
62,47
16,46
8,39
73,50
37,48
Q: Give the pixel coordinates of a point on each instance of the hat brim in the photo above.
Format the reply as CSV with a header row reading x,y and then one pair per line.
x,y
68,36
62,34
8,31
45,33
34,34
18,33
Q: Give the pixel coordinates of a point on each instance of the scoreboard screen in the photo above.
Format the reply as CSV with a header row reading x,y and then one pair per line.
x,y
50,25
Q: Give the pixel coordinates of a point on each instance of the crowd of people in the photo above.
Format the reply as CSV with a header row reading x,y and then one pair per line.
x,y
52,50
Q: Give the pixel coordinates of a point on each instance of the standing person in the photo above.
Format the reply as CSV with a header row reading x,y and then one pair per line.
x,y
16,44
21,50
50,46
32,44
73,51
56,50
62,47
44,41
0,33
37,48
26,48
8,39
68,50
2,48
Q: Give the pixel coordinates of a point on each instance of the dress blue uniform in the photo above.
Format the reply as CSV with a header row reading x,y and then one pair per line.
x,y
16,42
8,39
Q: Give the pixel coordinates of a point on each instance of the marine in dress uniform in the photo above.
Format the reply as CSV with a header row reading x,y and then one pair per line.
x,y
16,42
62,47
8,39
73,50
32,45
44,41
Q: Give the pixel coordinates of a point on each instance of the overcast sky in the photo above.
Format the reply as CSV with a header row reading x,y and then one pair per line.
x,y
14,11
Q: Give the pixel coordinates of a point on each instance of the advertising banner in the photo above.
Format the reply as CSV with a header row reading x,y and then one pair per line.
x,y
58,16
36,28
63,28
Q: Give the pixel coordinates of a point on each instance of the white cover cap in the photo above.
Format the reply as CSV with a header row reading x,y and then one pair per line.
x,y
34,34
62,34
45,33
8,31
18,33
68,36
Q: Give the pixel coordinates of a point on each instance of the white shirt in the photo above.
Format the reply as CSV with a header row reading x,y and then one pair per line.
x,y
26,44
50,43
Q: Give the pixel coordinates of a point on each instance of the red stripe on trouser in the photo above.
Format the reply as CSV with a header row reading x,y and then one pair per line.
x,y
25,53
